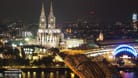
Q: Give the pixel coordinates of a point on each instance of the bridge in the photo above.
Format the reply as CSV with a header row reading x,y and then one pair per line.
x,y
121,55
115,47
115,50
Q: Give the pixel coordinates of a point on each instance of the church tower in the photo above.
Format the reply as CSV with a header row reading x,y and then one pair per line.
x,y
101,37
51,17
42,27
48,36
42,21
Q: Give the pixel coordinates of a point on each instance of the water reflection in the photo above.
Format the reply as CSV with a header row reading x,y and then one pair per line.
x,y
44,73
39,74
128,74
28,75
12,73
72,75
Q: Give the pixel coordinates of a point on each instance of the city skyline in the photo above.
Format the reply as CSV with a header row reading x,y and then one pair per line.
x,y
68,39
71,10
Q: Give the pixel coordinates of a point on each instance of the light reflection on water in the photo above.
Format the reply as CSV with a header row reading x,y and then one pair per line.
x,y
57,74
128,74
40,74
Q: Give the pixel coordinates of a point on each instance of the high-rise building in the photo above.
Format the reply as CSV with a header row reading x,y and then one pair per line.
x,y
134,21
48,35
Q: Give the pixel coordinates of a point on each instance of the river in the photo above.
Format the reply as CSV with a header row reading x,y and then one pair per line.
x,y
129,74
62,73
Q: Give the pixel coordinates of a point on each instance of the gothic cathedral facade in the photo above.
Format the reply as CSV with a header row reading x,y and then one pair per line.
x,y
48,35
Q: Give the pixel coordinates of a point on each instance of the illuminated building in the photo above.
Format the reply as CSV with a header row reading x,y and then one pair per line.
x,y
48,35
101,37
33,52
71,43
134,21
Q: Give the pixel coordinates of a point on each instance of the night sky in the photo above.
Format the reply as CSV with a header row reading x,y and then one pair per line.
x,y
69,10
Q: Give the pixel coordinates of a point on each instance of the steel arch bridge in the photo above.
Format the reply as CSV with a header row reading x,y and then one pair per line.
x,y
127,49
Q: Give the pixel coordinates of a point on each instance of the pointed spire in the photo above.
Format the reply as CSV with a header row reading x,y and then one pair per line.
x,y
42,22
51,9
43,10
51,17
101,37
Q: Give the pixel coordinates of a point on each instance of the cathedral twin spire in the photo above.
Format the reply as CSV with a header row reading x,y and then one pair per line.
x,y
43,10
51,18
42,22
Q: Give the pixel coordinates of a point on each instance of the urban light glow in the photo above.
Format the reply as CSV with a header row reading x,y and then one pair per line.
x,y
126,48
134,17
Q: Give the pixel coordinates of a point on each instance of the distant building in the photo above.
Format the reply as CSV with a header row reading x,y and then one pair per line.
x,y
134,21
48,35
13,29
71,43
33,52
101,37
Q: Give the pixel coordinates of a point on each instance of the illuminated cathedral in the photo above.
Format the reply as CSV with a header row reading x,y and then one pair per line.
x,y
48,35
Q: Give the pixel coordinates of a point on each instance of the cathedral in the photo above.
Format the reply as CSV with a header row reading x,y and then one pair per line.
x,y
48,35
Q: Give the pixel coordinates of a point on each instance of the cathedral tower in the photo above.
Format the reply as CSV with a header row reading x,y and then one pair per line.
x,y
42,27
48,36
51,17
42,21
